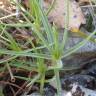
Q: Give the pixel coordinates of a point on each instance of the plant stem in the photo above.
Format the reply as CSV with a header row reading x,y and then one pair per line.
x,y
10,72
42,83
56,71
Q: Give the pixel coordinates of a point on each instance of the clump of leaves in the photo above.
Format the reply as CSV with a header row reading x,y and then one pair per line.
x,y
50,48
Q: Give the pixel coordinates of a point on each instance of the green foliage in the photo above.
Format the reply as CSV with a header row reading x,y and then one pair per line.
x,y
50,48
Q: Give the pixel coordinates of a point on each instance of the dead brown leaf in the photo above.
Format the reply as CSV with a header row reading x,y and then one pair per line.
x,y
58,13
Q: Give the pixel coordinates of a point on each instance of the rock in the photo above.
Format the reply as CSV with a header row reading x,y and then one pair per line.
x,y
78,90
83,80
49,91
33,94
92,72
90,68
80,57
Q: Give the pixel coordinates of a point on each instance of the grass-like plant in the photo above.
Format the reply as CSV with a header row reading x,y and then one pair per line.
x,y
49,47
